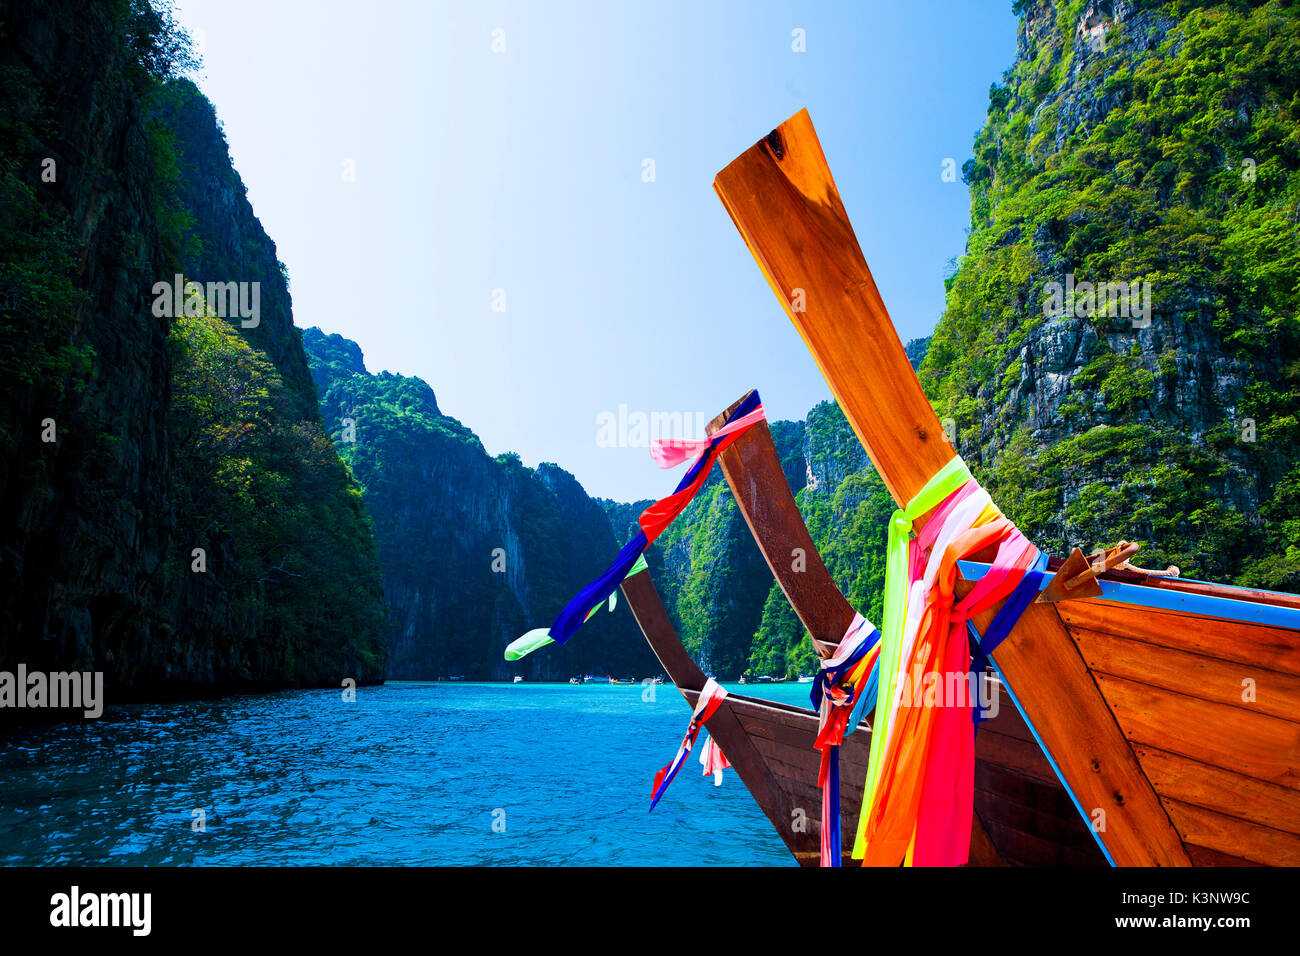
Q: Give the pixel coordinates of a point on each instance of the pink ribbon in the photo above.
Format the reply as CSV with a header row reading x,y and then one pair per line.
x,y
671,452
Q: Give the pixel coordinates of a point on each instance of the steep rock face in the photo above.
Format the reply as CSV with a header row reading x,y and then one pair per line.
x,y
82,522
476,550
1147,149
225,242
99,521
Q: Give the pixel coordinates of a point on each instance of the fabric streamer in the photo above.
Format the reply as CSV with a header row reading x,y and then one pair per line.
x,y
657,517
711,697
713,760
539,637
843,686
919,794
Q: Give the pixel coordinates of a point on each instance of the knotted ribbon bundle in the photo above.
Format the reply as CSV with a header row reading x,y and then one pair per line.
x,y
844,688
711,698
919,793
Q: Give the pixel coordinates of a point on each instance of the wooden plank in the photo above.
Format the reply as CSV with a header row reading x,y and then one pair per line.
x,y
1019,756
753,471
1253,745
1254,645
1195,675
783,200
1226,834
1068,832
1053,684
983,852
1204,785
724,726
1049,797
1204,856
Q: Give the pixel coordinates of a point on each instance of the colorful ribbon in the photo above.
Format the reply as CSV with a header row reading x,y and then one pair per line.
x,y
713,760
842,688
919,793
656,518
539,637
711,698
671,452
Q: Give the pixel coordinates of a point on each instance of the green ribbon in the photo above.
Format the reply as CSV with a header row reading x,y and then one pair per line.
x,y
945,481
539,637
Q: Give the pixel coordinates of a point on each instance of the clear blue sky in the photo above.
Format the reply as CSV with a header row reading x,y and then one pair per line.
x,y
522,171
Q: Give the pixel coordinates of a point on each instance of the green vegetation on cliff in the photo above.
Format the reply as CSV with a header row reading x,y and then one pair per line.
x,y
132,436
1162,147
476,550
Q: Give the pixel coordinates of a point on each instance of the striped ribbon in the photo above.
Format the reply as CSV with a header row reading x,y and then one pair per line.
x,y
711,698
839,695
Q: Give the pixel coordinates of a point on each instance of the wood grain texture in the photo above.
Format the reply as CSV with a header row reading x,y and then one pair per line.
x,y
752,468
1253,645
1053,684
783,200
1222,682
1203,785
1251,744
725,726
1226,834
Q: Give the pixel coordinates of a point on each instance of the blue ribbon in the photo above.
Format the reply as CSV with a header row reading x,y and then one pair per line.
x,y
574,613
1004,621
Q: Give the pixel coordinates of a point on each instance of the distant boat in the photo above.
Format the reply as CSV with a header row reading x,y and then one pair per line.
x,y
575,680
592,679
804,679
456,677
615,680
519,678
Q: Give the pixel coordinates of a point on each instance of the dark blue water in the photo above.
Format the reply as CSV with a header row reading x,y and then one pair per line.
x,y
409,773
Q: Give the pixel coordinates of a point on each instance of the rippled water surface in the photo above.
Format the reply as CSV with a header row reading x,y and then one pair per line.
x,y
409,773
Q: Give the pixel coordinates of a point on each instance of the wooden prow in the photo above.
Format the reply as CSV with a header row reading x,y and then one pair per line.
x,y
783,200
780,189
752,468
733,739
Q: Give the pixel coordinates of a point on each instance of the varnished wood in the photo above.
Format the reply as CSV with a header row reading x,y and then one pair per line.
x,y
1252,744
1227,834
752,468
650,614
762,493
1053,684
783,200
1268,692
1214,788
1250,645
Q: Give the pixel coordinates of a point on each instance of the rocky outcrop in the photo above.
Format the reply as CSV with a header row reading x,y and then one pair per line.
x,y
476,550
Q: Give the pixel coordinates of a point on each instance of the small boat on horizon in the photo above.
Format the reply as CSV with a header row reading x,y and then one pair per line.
x,y
519,678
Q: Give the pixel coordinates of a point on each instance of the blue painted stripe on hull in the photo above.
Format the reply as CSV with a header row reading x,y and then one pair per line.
x,y
1207,605
1087,820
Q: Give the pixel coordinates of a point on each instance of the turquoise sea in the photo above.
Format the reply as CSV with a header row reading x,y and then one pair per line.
x,y
408,773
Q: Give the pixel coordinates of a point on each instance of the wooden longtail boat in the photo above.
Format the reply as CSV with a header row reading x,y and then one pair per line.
x,y
1156,720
